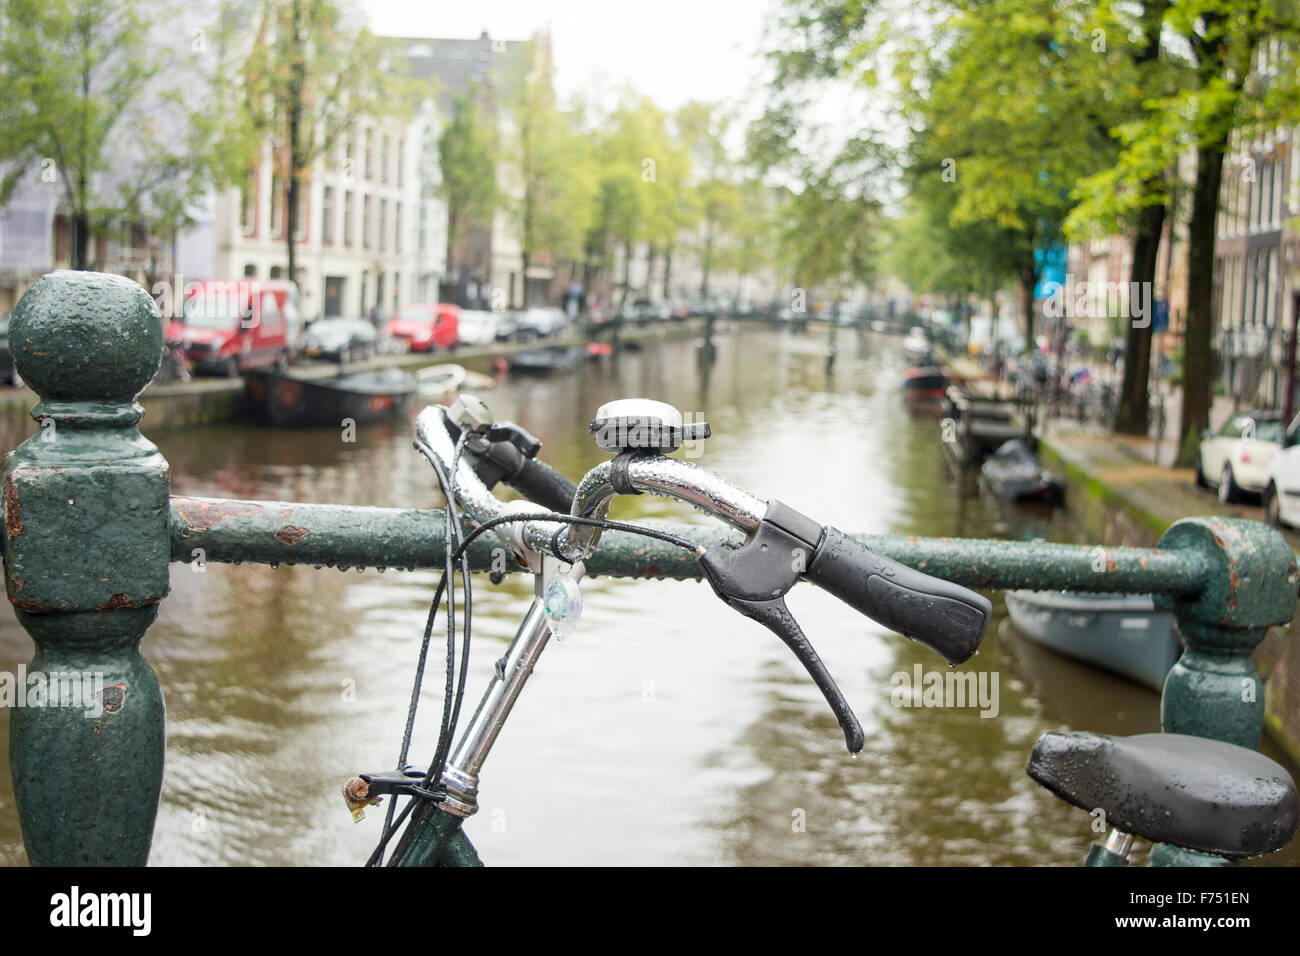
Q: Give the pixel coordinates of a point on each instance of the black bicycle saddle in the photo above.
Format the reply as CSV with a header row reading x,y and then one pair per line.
x,y
1173,788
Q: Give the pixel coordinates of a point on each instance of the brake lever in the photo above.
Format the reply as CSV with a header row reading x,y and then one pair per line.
x,y
754,580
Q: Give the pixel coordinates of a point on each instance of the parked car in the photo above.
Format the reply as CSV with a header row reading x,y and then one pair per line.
x,y
426,327
339,339
1281,495
1236,459
226,327
480,327
540,322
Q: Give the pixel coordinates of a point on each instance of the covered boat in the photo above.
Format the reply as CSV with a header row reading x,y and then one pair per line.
x,y
1122,633
1014,474
554,358
281,399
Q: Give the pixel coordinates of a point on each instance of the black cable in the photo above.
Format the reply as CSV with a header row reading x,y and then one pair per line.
x,y
451,715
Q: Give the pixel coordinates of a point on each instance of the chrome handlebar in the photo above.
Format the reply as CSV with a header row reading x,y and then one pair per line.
x,y
653,474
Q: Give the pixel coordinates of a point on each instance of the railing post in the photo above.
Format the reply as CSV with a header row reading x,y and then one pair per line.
x,y
1213,689
86,553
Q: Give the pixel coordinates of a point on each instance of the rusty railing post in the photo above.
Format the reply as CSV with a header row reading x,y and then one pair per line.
x,y
86,558
1213,690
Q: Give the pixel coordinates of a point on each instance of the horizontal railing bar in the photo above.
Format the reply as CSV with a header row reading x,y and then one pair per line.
x,y
276,532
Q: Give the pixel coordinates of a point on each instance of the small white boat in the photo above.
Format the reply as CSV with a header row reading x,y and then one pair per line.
x,y
1122,633
439,380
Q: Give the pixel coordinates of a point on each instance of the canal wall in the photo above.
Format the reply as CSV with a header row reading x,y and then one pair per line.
x,y
209,401
1120,499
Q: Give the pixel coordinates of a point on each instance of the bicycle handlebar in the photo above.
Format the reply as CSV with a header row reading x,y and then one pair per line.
x,y
782,546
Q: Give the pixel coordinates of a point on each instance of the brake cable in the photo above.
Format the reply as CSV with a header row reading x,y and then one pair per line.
x,y
448,727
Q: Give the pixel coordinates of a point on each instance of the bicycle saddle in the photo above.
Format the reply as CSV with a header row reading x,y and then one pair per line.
x,y
1173,788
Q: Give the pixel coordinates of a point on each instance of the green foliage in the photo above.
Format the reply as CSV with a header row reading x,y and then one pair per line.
x,y
467,164
87,96
550,163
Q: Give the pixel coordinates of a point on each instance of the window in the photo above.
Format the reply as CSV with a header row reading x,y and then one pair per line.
x,y
349,170
327,216
248,205
277,207
370,154
383,161
366,207
397,226
422,241
401,150
349,199
383,224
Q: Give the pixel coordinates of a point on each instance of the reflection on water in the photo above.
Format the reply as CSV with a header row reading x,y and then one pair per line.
x,y
668,729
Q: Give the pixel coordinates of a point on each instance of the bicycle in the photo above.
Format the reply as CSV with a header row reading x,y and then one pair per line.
x,y
1233,802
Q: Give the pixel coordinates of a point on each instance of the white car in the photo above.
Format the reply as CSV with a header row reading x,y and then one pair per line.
x,y
1282,487
1236,459
541,321
482,328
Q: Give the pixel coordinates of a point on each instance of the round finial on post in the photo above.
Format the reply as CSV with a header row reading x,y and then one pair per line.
x,y
86,550
86,337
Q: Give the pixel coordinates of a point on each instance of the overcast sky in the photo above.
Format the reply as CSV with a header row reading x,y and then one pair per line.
x,y
673,50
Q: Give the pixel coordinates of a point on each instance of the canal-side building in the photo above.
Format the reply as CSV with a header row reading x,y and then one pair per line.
x,y
369,236
1253,249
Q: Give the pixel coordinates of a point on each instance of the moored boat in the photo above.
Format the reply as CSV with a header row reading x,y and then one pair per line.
x,y
925,383
282,399
1122,633
1014,474
981,424
437,381
554,358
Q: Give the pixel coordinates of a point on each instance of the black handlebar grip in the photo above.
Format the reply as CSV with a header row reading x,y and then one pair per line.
x,y
543,485
944,616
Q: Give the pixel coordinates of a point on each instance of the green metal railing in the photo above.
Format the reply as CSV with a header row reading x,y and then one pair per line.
x,y
90,529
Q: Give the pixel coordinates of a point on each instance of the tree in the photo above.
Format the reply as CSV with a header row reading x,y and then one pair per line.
x,y
641,179
997,91
1133,195
714,196
87,100
310,76
550,162
467,163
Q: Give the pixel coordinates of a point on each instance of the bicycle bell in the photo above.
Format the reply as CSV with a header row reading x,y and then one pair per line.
x,y
643,426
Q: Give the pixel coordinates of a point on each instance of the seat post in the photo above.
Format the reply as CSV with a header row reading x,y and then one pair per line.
x,y
1113,851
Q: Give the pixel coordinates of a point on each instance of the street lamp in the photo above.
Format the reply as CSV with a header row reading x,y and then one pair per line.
x,y
1288,405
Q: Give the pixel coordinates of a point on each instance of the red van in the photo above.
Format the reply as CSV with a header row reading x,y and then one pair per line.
x,y
228,326
426,327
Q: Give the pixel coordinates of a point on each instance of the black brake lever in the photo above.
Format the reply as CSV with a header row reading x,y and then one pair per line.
x,y
787,545
754,580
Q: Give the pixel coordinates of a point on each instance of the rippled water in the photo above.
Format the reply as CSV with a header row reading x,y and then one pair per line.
x,y
668,729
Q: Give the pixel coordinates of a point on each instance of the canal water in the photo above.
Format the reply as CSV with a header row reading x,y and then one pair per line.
x,y
667,729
